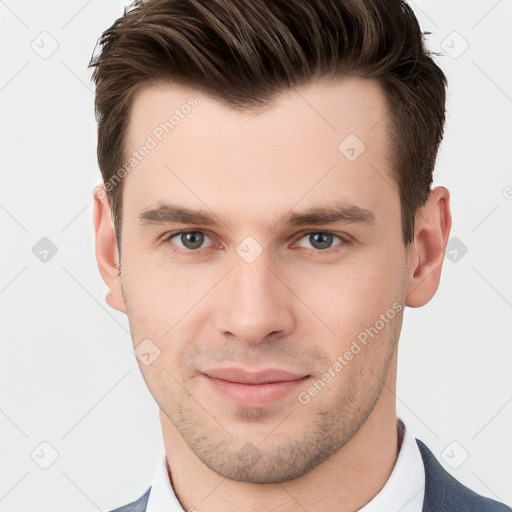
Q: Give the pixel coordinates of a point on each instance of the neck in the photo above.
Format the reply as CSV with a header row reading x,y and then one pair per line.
x,y
346,481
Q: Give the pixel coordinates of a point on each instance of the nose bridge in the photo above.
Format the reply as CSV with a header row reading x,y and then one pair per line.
x,y
256,301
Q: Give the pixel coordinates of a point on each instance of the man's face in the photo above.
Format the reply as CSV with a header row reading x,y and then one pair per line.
x,y
255,292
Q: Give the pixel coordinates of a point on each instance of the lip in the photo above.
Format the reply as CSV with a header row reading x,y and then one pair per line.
x,y
261,377
254,389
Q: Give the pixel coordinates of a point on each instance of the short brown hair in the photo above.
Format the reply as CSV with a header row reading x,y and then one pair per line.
x,y
245,52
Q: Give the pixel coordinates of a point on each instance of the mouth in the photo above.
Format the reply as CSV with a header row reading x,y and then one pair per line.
x,y
254,389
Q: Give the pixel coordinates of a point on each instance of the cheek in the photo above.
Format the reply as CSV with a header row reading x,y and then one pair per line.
x,y
164,304
348,285
160,296
346,300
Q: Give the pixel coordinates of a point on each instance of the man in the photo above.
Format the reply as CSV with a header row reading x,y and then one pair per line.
x,y
265,218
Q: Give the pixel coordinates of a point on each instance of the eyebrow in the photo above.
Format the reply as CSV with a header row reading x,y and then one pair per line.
x,y
165,213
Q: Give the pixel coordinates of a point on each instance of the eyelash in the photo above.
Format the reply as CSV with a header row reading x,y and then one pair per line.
x,y
344,241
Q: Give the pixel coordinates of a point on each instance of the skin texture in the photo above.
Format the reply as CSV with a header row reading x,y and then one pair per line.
x,y
296,307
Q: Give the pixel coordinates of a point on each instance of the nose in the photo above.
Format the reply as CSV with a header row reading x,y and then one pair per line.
x,y
256,302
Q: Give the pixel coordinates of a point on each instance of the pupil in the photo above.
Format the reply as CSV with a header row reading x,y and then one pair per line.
x,y
324,244
192,240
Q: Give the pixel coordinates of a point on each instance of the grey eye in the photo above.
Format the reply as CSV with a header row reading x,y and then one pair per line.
x,y
190,239
320,240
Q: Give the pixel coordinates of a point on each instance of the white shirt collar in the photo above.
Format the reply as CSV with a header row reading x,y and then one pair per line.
x,y
162,497
404,490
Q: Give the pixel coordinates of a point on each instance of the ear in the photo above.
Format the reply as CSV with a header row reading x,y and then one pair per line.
x,y
426,253
107,254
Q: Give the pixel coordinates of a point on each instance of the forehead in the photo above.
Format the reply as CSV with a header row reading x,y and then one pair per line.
x,y
319,143
321,108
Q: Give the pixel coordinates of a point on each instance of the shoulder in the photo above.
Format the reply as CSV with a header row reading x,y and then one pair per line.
x,y
137,505
444,492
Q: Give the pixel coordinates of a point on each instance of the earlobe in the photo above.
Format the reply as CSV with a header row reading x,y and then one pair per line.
x,y
107,254
426,255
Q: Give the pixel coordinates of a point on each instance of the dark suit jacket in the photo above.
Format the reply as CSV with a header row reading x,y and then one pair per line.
x,y
443,493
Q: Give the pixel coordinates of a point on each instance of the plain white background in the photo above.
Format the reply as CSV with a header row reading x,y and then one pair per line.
x,y
69,378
